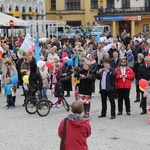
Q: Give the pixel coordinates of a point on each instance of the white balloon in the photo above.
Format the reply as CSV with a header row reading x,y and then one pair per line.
x,y
40,63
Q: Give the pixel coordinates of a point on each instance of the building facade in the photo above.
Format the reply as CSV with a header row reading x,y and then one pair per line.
x,y
74,12
29,10
132,15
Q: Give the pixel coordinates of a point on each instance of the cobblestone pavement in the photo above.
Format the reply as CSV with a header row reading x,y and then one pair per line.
x,y
21,131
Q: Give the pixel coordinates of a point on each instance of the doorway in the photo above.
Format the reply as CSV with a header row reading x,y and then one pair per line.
x,y
124,25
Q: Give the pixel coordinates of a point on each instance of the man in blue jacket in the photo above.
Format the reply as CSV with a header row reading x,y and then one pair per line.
x,y
107,77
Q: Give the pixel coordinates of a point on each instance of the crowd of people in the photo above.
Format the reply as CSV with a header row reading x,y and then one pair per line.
x,y
115,61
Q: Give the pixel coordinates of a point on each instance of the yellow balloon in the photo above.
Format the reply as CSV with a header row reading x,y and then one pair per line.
x,y
141,89
26,79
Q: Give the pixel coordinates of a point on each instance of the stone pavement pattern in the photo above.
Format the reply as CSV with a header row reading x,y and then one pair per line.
x,y
21,131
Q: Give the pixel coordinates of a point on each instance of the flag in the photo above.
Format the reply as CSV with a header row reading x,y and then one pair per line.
x,y
5,38
27,44
37,49
1,52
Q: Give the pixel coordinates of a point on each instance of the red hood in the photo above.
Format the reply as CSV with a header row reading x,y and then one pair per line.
x,y
78,123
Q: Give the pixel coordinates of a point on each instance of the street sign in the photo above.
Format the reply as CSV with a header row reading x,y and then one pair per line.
x,y
11,23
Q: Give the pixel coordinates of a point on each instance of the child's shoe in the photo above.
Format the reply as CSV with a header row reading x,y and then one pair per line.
x,y
58,105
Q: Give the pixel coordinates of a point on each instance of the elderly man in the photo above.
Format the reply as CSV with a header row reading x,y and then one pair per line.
x,y
79,47
8,51
144,73
51,55
112,49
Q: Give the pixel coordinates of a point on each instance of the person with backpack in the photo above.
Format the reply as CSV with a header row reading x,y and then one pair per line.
x,y
35,79
74,130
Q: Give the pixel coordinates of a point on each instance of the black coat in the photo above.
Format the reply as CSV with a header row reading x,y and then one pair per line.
x,y
85,85
114,64
136,68
110,52
110,79
143,72
66,83
137,49
93,68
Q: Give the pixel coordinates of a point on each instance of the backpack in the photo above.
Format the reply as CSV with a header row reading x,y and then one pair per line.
x,y
59,90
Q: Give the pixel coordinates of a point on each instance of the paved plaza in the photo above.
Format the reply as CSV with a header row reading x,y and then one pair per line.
x,y
21,131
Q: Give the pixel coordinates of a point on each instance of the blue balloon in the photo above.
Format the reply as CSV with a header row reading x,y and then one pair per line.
x,y
98,38
69,62
14,79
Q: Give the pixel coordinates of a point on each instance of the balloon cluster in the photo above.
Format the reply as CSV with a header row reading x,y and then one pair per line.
x,y
142,84
42,63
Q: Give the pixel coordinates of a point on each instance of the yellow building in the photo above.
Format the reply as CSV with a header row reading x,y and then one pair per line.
x,y
131,15
74,12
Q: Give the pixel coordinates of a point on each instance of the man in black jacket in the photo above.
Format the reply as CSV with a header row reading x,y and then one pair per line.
x,y
137,49
107,77
144,73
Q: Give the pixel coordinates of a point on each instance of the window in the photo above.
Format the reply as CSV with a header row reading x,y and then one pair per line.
x,y
74,23
125,3
53,4
72,4
94,4
110,3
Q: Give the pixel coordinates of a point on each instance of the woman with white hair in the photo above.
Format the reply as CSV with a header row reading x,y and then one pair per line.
x,y
137,64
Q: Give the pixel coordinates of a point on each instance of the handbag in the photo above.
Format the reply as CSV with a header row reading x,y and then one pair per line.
x,y
63,135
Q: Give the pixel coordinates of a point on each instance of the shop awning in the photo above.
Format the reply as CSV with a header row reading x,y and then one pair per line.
x,y
4,21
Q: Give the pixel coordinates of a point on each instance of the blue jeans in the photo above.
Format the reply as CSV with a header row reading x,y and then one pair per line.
x,y
10,100
44,92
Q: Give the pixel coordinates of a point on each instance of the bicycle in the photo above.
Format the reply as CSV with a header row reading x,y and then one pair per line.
x,y
30,104
43,106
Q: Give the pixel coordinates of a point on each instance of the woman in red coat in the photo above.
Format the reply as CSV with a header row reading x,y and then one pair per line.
x,y
124,77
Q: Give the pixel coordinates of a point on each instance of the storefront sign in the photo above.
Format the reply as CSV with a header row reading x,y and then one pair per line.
x,y
117,18
32,13
15,13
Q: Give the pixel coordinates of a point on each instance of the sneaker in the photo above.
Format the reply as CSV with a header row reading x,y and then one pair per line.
x,y
93,95
58,105
7,107
12,107
54,106
86,116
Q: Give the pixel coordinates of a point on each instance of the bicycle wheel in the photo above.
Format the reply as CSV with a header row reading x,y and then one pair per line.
x,y
30,106
43,108
65,104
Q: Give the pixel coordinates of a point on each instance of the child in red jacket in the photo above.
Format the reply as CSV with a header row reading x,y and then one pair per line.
x,y
77,129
